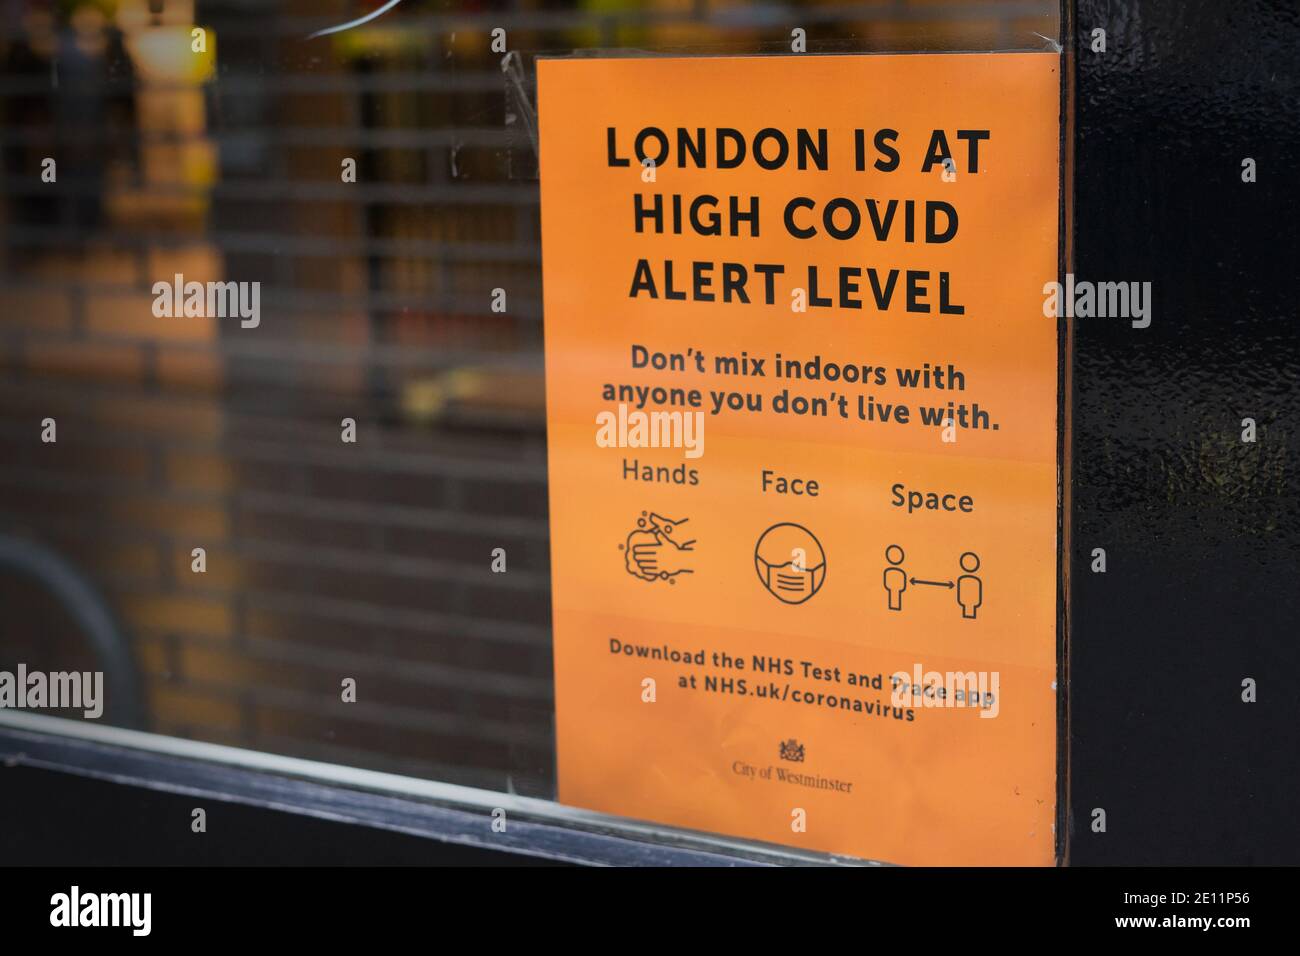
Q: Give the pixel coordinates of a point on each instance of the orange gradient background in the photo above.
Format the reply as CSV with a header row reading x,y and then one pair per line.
x,y
948,787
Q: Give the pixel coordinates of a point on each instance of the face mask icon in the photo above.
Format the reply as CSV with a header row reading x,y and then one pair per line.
x,y
790,562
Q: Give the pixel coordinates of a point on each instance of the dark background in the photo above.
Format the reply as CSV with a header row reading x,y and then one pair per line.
x,y
1201,531
76,821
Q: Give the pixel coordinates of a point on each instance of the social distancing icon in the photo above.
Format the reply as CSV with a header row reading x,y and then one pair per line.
x,y
968,588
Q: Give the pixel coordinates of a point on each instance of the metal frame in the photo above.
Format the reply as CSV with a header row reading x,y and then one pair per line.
x,y
437,811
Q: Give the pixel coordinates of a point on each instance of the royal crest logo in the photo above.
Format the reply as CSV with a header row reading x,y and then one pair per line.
x,y
792,750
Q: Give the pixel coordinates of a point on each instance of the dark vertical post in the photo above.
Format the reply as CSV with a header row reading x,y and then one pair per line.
x,y
1200,526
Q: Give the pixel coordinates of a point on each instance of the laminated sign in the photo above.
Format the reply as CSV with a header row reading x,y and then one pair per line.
x,y
802,410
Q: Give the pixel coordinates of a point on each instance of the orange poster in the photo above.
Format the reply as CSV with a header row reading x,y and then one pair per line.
x,y
802,404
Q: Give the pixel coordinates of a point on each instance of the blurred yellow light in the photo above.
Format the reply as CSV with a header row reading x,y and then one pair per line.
x,y
167,53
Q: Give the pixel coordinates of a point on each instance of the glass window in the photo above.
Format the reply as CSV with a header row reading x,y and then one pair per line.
x,y
231,516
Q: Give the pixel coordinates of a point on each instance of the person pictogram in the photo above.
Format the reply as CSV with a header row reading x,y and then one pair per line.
x,y
970,589
895,577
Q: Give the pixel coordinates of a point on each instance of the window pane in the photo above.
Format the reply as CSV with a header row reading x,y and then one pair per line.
x,y
239,514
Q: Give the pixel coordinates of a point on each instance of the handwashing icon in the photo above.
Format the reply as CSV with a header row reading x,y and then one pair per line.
x,y
657,550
